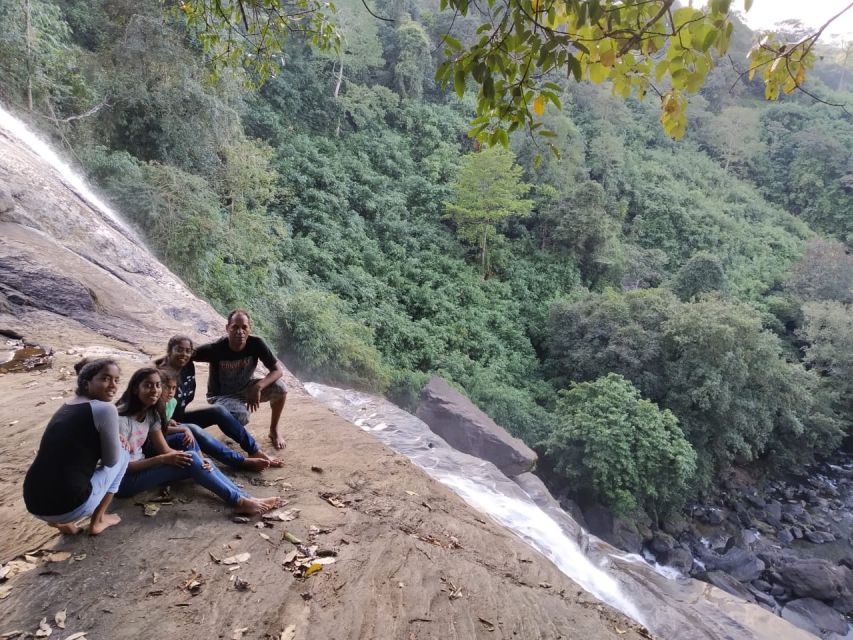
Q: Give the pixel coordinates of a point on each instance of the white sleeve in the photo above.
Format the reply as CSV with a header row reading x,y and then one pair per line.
x,y
106,422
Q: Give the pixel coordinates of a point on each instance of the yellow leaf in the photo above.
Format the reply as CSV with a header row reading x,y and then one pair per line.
x,y
539,105
314,568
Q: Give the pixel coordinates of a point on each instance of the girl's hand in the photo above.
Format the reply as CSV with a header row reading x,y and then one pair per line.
x,y
177,458
188,436
171,423
124,443
206,464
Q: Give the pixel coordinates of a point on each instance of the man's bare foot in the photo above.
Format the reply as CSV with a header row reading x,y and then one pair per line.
x,y
273,462
107,520
277,441
255,506
254,464
68,528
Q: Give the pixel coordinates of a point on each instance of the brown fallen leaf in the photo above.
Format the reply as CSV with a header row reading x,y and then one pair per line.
x,y
5,590
313,568
333,500
264,536
241,585
80,635
155,592
290,557
412,493
289,632
240,557
282,516
59,619
316,469
44,629
240,519
57,556
545,585
150,509
489,626
238,633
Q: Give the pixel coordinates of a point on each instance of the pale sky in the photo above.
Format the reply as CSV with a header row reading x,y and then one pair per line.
x,y
813,13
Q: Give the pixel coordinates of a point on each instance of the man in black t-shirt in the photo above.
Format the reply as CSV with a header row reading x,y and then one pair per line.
x,y
232,384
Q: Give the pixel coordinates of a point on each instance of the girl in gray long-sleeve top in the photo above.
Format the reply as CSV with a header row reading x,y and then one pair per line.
x,y
81,459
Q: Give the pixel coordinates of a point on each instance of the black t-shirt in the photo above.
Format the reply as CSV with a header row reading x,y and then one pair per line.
x,y
60,478
231,371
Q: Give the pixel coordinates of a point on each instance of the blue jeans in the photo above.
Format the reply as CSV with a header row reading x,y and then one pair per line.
x,y
105,480
229,425
211,479
208,445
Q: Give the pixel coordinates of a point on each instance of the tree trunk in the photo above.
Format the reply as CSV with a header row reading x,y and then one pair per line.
x,y
483,252
337,91
29,39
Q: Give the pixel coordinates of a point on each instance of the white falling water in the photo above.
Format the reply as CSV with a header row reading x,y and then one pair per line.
x,y
479,483
17,129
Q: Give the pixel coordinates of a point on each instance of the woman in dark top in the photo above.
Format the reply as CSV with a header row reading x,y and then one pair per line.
x,y
81,459
178,359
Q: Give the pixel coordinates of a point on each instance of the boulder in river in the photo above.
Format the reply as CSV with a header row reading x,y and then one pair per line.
x,y
466,428
815,578
814,616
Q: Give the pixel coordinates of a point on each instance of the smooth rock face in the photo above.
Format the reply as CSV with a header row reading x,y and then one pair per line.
x,y
466,428
813,615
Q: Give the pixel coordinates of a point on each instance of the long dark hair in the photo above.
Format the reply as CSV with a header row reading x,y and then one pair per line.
x,y
173,342
86,371
129,403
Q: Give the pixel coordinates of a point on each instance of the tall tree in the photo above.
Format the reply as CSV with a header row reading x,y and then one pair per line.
x,y
488,190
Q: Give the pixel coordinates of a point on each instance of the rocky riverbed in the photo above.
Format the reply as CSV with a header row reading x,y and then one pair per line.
x,y
786,545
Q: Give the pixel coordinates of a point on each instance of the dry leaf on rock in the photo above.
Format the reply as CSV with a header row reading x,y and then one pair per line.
x,y
80,635
44,629
290,557
241,585
240,519
282,516
59,619
289,632
5,590
313,568
240,557
264,536
489,625
290,538
334,500
150,509
238,633
57,556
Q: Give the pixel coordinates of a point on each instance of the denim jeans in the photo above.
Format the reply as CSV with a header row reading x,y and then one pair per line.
x,y
211,479
229,425
105,480
208,445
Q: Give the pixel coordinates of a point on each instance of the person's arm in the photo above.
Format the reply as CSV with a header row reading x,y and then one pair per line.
x,y
276,371
106,423
165,454
203,353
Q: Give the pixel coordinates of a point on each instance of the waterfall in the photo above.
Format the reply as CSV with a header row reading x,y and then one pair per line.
x,y
18,130
671,606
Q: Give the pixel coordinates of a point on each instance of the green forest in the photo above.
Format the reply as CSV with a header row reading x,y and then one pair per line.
x,y
644,312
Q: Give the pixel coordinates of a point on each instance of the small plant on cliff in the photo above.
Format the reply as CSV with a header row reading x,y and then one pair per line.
x,y
623,448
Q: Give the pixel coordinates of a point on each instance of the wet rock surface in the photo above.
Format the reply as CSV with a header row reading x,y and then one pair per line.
x,y
466,428
785,545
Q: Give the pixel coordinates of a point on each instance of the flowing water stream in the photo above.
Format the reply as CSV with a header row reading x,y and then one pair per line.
x,y
672,607
18,130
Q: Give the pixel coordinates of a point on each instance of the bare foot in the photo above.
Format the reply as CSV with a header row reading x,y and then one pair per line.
x,y
277,441
273,503
68,528
254,464
254,506
273,462
107,520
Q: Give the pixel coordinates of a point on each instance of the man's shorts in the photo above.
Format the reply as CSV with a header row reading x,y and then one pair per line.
x,y
236,404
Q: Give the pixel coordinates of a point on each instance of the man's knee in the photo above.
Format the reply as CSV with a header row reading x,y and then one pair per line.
x,y
275,393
